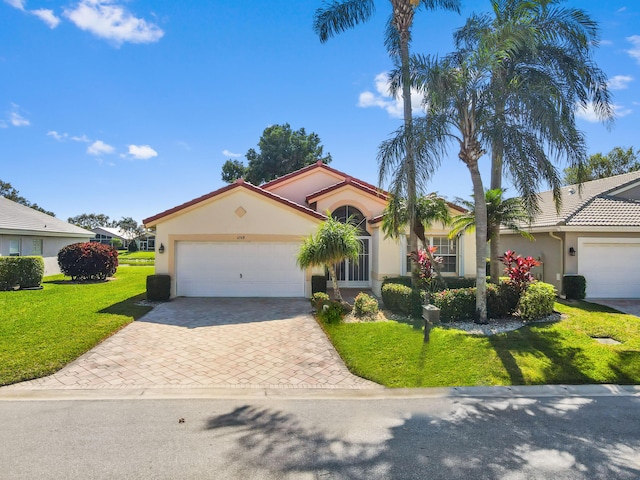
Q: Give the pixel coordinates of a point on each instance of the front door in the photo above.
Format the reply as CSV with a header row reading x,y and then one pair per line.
x,y
356,274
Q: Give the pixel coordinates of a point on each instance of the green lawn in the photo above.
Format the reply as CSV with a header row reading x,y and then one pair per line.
x,y
136,258
393,354
43,330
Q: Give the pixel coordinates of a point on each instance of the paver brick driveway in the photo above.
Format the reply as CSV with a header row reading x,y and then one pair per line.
x,y
212,342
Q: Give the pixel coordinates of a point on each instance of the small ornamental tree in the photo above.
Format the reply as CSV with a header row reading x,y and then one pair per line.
x,y
88,261
426,269
518,269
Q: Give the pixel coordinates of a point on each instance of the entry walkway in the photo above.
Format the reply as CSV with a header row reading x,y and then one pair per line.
x,y
212,342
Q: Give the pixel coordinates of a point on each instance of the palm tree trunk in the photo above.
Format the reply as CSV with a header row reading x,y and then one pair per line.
x,y
334,282
481,242
497,153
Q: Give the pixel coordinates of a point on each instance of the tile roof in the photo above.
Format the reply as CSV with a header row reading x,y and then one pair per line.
x,y
590,205
360,185
18,218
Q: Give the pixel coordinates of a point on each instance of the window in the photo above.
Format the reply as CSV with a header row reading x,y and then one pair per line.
x,y
447,249
36,246
14,248
359,220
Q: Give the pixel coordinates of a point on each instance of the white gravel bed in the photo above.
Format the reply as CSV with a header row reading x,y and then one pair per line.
x,y
499,325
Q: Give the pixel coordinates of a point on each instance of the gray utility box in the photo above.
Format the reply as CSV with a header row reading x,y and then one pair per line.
x,y
431,316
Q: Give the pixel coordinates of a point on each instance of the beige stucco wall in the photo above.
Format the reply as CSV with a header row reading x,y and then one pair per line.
x,y
348,195
217,220
299,187
50,248
387,258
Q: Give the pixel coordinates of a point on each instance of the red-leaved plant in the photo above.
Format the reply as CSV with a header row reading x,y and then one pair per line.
x,y
426,268
518,269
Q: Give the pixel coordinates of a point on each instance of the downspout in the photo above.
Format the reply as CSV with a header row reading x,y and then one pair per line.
x,y
551,234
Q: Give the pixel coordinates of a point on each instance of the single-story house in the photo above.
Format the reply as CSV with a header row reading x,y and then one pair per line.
x,y
105,235
243,239
596,234
25,231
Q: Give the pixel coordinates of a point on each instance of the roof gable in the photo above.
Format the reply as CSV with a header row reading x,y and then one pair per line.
x,y
349,182
21,219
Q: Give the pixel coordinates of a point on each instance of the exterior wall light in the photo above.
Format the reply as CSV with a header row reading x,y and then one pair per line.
x,y
161,249
572,251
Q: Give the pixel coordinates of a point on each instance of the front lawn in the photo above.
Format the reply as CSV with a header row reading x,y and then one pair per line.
x,y
393,354
136,258
43,330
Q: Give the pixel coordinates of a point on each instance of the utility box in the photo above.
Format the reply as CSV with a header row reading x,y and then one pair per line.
x,y
431,316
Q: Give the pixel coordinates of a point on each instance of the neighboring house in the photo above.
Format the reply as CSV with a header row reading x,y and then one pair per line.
x,y
242,240
595,234
25,231
105,235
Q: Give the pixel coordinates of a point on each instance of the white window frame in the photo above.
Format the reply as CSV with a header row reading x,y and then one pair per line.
x,y
37,242
12,242
429,239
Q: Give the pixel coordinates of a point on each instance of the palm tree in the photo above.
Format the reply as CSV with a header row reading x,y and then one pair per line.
x,y
333,242
549,50
339,15
509,213
429,210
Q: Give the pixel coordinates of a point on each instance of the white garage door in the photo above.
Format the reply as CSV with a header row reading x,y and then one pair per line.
x,y
611,266
223,269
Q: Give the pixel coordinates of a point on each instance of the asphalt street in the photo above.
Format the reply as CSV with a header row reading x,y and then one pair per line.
x,y
298,436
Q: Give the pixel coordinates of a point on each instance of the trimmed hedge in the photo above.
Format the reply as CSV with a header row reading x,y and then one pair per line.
x,y
537,301
158,288
502,299
406,281
365,305
25,272
460,282
574,286
88,261
460,303
403,300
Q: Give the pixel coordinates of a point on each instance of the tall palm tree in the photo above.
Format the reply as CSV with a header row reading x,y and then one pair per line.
x,y
550,50
333,242
336,16
429,210
508,212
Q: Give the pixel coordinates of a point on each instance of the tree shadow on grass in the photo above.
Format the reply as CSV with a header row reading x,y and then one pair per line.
x,y
450,438
129,307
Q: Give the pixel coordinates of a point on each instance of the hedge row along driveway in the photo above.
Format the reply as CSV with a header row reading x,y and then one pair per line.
x,y
43,330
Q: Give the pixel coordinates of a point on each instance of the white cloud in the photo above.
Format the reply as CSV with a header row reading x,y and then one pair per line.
x,y
621,9
588,114
228,153
47,16
142,152
635,49
108,20
19,4
383,99
58,136
18,120
619,82
82,138
99,148
606,43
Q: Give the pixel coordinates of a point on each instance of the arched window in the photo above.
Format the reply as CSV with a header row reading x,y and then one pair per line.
x,y
359,220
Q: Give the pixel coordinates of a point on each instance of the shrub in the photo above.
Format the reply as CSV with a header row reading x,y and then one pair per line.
x,y
460,282
25,272
518,269
574,286
365,305
133,246
318,284
455,304
158,288
331,312
116,243
502,299
537,301
318,299
403,300
406,281
88,261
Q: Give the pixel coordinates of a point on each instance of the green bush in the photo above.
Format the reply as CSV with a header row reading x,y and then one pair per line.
x,y
116,243
25,272
331,312
574,286
88,261
318,284
403,300
537,301
455,304
318,299
365,305
460,282
158,288
133,246
406,281
502,299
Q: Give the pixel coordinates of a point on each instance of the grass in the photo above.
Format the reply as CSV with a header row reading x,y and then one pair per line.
x,y
136,258
43,330
393,354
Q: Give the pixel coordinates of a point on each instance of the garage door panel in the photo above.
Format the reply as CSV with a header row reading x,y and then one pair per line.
x,y
226,269
611,266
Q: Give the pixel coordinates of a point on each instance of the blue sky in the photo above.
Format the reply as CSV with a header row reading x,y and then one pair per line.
x,y
130,107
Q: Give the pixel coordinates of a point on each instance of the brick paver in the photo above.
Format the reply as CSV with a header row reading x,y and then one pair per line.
x,y
212,342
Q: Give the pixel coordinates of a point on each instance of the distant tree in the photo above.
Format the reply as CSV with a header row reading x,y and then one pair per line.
x,y
129,227
91,220
10,193
233,170
116,243
281,151
617,161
